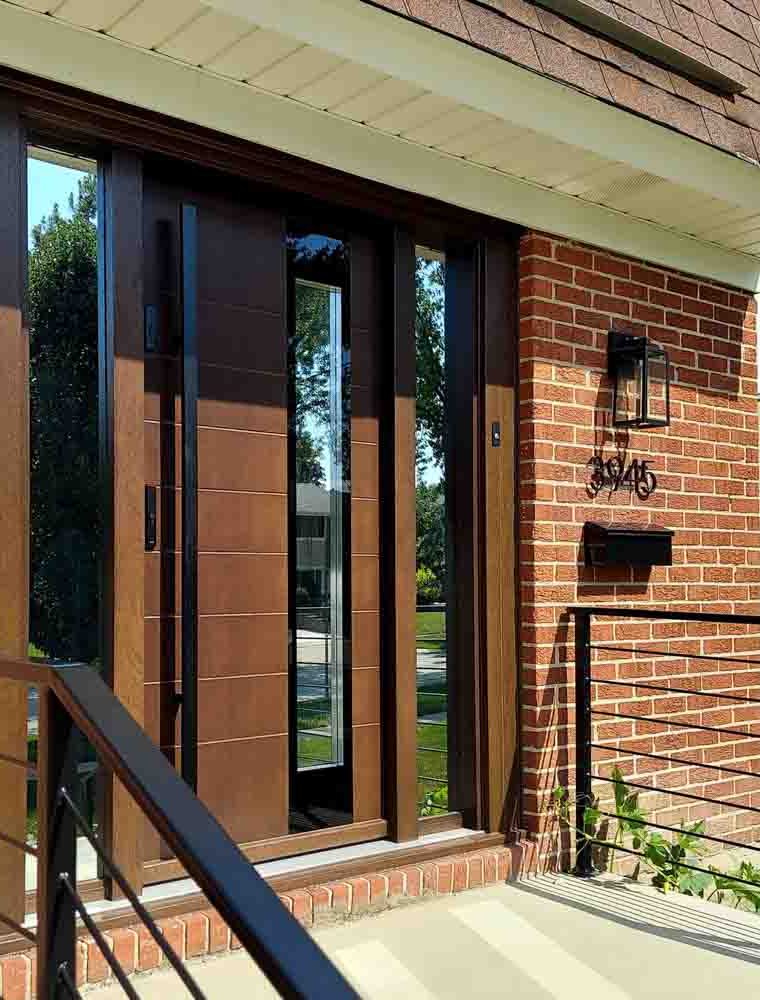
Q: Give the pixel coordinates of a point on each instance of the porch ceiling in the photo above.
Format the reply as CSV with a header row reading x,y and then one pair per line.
x,y
236,48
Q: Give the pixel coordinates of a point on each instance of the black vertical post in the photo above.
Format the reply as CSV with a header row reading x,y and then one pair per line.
x,y
58,758
583,863
189,238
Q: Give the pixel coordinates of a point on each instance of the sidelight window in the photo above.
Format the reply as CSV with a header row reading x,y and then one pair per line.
x,y
320,494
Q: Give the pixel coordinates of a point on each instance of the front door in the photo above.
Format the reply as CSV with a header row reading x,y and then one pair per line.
x,y
288,315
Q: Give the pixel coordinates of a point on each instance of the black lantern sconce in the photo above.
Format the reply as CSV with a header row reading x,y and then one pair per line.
x,y
640,371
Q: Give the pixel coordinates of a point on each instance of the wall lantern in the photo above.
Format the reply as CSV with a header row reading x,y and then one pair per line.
x,y
641,374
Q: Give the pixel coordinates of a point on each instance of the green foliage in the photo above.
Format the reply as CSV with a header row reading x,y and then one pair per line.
x,y
431,542
428,586
436,802
671,862
62,309
431,374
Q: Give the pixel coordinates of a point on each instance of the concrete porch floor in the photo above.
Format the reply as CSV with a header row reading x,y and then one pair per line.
x,y
541,938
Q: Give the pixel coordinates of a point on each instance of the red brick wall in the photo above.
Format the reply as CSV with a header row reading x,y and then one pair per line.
x,y
706,464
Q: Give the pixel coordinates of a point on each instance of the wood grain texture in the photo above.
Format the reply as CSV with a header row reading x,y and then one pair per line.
x,y
242,500
400,532
500,696
123,398
14,498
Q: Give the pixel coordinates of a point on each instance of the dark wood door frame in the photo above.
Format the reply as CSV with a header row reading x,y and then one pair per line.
x,y
484,256
122,460
14,501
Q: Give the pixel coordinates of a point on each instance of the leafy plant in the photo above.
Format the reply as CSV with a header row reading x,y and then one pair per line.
x,y
436,802
671,863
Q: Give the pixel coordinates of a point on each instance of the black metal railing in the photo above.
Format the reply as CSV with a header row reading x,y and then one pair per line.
x,y
590,655
75,702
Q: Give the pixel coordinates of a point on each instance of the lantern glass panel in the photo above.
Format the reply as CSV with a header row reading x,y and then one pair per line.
x,y
656,397
628,391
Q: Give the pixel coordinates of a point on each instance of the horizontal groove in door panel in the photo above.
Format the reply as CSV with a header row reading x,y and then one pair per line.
x,y
365,527
244,784
228,709
227,645
227,584
366,282
227,460
365,697
365,639
227,521
228,397
365,583
365,423
365,361
240,338
365,473
367,772
241,257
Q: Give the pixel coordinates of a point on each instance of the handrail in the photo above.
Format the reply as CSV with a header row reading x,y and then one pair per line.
x,y
284,951
585,711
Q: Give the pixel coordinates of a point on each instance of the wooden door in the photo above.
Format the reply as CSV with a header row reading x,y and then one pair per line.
x,y
245,613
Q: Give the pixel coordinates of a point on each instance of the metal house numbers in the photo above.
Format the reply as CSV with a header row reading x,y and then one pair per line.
x,y
614,475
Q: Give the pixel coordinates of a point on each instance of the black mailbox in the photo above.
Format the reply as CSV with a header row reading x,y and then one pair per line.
x,y
617,544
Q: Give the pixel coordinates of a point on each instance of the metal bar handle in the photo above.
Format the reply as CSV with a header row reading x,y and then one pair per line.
x,y
189,725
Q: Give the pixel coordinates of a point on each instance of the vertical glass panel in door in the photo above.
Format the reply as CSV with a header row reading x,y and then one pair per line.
x,y
433,583
65,542
320,496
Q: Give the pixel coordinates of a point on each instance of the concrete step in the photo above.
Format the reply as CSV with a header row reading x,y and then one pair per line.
x,y
545,938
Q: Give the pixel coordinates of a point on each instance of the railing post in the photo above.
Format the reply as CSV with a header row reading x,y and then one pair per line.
x,y
58,755
583,862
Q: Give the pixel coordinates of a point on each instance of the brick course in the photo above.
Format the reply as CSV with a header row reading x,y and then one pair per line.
x,y
706,464
203,932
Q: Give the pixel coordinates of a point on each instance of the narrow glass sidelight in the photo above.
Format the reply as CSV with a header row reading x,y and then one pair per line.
x,y
67,441
433,579
319,505
321,488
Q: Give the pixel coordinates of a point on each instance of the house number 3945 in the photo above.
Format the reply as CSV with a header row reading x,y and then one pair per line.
x,y
614,474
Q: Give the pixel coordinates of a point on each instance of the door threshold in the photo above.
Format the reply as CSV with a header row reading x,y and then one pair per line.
x,y
182,895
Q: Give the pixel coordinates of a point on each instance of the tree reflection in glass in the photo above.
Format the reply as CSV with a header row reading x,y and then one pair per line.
x,y
320,438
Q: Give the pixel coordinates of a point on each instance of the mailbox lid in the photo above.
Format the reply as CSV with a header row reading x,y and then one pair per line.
x,y
613,543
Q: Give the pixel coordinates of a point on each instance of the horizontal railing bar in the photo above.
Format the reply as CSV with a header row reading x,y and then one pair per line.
x,y
668,652
433,749
678,829
68,983
672,791
18,844
674,690
129,894
18,928
422,721
681,864
28,765
680,725
657,615
437,781
99,939
677,760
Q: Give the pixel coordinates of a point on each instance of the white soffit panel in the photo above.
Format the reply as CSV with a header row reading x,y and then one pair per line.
x,y
223,46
